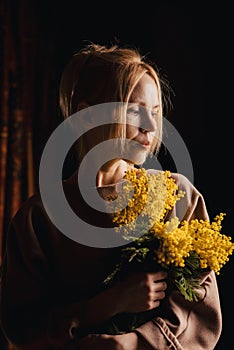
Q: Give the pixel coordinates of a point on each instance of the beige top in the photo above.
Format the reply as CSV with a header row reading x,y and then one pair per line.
x,y
47,279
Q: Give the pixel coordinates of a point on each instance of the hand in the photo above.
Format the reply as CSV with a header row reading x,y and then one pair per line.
x,y
140,291
137,292
127,341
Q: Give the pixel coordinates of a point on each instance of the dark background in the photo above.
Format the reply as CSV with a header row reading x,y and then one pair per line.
x,y
191,43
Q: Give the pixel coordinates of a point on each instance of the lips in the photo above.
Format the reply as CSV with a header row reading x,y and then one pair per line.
x,y
143,145
145,142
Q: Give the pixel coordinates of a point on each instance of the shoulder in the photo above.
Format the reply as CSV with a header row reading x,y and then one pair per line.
x,y
181,181
31,204
30,219
184,183
192,204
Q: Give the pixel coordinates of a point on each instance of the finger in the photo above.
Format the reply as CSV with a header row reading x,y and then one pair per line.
x,y
160,295
158,286
157,295
160,275
156,276
153,304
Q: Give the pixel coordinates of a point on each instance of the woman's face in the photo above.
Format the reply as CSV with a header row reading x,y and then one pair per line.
x,y
141,119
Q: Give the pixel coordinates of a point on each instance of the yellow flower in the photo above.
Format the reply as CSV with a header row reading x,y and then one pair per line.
x,y
154,195
212,247
184,248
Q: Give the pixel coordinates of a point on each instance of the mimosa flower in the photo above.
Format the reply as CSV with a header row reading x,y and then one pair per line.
x,y
184,249
196,246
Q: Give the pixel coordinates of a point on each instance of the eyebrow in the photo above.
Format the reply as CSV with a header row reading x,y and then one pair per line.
x,y
153,108
143,104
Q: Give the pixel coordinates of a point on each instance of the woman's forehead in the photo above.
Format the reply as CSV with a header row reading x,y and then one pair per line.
x,y
145,92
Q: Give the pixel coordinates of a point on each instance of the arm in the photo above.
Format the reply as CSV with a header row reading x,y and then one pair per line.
x,y
35,311
38,312
28,304
187,325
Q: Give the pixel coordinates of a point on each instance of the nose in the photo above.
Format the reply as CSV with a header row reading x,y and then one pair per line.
x,y
148,122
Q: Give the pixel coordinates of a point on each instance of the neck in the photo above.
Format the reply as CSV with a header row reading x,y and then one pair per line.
x,y
112,172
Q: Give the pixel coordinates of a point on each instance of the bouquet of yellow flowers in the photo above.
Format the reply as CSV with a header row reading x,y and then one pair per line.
x,y
184,249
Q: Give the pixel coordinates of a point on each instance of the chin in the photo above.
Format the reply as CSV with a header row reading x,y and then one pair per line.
x,y
135,155
139,158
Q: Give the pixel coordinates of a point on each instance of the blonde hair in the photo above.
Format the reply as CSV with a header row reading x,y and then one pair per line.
x,y
99,74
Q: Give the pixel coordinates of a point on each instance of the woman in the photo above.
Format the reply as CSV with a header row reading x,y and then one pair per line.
x,y
52,294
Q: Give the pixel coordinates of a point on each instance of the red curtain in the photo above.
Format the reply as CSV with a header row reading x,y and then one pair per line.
x,y
17,75
28,108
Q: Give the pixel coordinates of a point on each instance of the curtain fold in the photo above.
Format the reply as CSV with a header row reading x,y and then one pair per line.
x,y
30,66
17,178
28,106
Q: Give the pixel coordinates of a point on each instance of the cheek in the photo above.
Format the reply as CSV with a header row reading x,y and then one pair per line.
x,y
131,131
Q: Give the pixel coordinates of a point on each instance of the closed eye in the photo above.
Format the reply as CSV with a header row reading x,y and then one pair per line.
x,y
154,113
133,111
